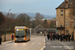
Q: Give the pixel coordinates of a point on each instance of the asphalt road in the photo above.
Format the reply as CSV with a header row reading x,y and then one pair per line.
x,y
36,43
57,45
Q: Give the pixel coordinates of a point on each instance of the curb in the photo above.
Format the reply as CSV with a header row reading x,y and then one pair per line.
x,y
43,48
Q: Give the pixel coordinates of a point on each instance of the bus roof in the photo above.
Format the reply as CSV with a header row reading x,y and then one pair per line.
x,y
21,27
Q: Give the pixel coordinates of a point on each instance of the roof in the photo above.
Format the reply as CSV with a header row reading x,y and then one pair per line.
x,y
62,5
20,27
39,26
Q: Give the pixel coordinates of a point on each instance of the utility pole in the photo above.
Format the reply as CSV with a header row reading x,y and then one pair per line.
x,y
6,26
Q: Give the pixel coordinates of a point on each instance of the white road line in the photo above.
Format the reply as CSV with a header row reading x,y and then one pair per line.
x,y
43,45
47,43
43,48
65,45
44,40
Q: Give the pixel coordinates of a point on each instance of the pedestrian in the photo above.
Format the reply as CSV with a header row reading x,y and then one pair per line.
x,y
12,37
44,34
58,36
50,33
48,36
69,36
51,36
61,37
0,39
66,36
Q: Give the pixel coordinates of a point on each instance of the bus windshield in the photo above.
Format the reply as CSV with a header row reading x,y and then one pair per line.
x,y
20,33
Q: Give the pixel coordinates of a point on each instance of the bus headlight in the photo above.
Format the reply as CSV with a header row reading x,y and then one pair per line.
x,y
16,38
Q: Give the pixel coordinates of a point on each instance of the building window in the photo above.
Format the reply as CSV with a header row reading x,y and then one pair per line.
x,y
66,23
61,12
74,24
67,32
56,23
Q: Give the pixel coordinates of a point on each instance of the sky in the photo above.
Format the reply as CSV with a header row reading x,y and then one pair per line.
x,y
47,7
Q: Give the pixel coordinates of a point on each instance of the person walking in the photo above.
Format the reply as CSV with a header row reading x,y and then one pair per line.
x,y
51,36
69,36
58,36
0,39
66,36
61,37
48,36
44,34
12,37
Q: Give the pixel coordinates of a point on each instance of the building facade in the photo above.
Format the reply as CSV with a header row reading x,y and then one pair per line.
x,y
65,21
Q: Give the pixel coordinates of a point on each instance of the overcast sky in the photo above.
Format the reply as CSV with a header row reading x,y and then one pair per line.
x,y
46,7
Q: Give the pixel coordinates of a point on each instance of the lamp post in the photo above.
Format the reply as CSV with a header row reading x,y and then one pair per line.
x,y
6,26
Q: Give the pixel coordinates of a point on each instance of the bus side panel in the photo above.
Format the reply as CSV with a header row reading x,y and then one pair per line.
x,y
14,38
25,38
27,34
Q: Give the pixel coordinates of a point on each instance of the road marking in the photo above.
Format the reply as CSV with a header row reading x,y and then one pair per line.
x,y
43,45
48,43
43,48
65,45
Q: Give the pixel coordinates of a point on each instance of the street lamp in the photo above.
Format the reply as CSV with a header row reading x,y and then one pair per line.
x,y
6,25
8,12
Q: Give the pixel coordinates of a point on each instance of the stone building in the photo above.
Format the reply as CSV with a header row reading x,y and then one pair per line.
x,y
65,22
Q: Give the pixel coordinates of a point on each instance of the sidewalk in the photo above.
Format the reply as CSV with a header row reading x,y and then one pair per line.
x,y
7,42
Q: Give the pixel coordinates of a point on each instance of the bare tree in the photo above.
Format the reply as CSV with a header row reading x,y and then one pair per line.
x,y
38,18
25,19
52,23
45,23
10,23
2,18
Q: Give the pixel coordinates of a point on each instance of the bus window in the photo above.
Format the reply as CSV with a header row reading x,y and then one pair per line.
x,y
20,33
